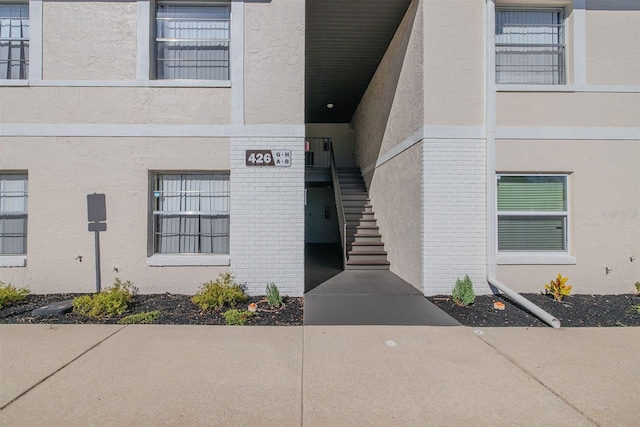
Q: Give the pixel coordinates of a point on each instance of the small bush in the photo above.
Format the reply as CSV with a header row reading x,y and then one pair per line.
x,y
236,317
274,299
463,293
215,295
11,295
558,288
637,287
140,318
110,302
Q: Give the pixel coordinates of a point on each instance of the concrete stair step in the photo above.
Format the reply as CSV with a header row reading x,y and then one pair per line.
x,y
369,258
360,265
355,203
359,216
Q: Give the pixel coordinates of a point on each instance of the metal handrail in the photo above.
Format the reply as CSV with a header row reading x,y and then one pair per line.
x,y
342,221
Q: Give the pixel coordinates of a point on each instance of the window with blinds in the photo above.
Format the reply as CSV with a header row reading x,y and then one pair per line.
x,y
530,46
191,213
14,41
192,41
13,214
532,213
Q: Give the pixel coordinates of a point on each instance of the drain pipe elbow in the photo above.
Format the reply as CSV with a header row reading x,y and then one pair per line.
x,y
525,303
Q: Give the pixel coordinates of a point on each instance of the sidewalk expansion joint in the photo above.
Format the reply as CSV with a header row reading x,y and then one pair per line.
x,y
60,369
536,379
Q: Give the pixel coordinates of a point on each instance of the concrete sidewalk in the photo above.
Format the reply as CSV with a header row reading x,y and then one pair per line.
x,y
67,375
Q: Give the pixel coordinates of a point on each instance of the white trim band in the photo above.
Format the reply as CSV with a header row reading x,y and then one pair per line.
x,y
13,260
191,260
568,133
117,83
569,88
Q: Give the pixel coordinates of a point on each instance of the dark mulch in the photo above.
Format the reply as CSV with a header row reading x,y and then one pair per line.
x,y
575,310
174,309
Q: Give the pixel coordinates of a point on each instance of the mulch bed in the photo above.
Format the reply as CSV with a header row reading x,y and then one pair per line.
x,y
573,311
174,309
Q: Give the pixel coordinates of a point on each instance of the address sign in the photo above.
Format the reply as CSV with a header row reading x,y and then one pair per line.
x,y
277,158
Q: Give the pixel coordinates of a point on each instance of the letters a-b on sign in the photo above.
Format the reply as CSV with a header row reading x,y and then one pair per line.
x,y
277,158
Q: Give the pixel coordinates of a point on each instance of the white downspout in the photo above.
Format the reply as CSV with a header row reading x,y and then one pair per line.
x,y
490,126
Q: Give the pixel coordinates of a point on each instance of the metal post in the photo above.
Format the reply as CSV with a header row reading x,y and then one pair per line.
x,y
97,262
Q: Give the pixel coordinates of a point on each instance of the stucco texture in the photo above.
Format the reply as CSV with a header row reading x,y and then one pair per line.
x,y
568,109
71,49
396,194
613,47
120,168
604,212
115,105
392,107
454,62
274,62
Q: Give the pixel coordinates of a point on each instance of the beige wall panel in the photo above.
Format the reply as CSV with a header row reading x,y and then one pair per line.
x,y
89,40
604,193
396,196
62,171
274,62
115,105
391,109
454,62
339,134
613,47
567,109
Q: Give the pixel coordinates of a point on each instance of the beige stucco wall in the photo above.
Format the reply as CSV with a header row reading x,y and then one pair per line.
x,y
568,109
396,192
454,62
116,105
89,40
604,197
274,62
62,171
392,107
391,111
613,47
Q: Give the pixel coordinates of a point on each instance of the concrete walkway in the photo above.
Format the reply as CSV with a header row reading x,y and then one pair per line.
x,y
68,375
371,297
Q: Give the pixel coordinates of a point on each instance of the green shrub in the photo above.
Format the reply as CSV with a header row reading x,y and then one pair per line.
x,y
140,318
637,287
274,299
463,293
558,288
215,295
109,302
10,294
236,317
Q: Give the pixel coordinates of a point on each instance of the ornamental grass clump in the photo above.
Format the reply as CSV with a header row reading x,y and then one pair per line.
x,y
463,293
223,291
11,295
274,299
109,302
558,288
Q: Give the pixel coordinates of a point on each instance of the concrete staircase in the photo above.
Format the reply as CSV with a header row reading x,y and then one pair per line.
x,y
365,250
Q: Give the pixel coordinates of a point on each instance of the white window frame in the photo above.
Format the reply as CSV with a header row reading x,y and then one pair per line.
x,y
536,257
16,260
159,259
155,39
22,39
562,73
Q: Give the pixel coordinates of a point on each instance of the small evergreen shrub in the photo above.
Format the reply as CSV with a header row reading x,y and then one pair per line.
x,y
140,318
236,317
637,287
110,302
215,295
463,293
274,299
558,288
11,295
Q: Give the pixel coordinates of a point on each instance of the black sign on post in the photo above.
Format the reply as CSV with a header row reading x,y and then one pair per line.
x,y
97,212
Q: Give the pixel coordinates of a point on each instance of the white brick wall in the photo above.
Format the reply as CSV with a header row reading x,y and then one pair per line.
x,y
267,218
454,214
